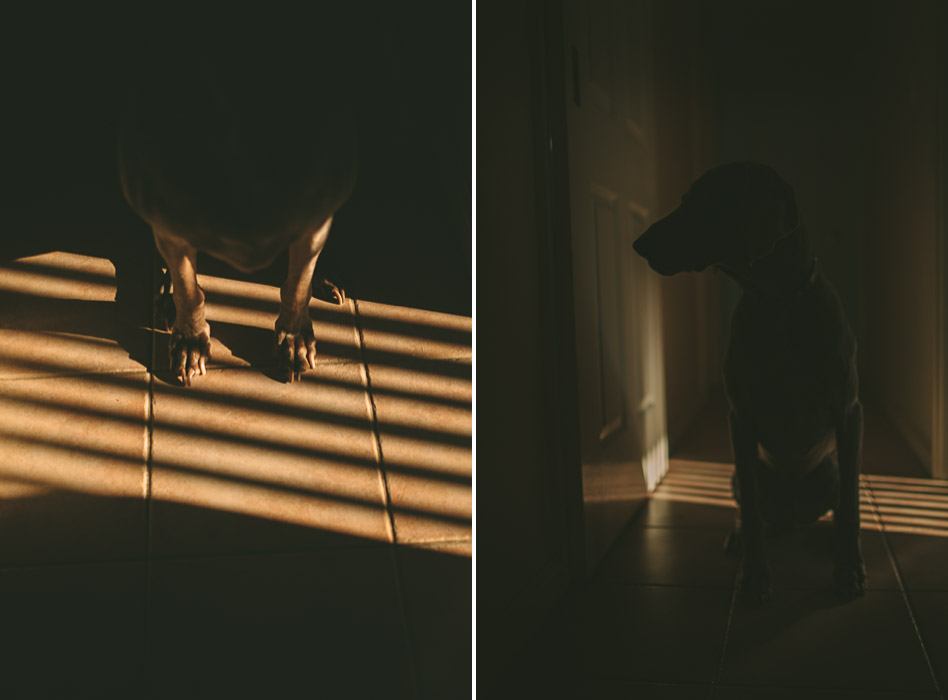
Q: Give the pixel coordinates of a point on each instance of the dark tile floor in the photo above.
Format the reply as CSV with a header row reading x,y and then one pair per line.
x,y
240,538
660,617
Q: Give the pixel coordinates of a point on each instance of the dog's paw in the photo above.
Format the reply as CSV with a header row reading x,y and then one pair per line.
x,y
755,585
295,351
189,353
851,580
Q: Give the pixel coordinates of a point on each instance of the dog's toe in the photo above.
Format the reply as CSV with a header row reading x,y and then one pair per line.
x,y
189,354
295,352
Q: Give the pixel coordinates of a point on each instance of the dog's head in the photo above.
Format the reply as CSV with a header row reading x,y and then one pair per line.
x,y
732,216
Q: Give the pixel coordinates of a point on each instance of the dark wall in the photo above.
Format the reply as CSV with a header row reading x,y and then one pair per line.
x,y
842,99
792,90
404,236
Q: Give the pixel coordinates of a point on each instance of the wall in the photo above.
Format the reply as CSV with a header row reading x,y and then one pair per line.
x,y
683,132
904,218
790,90
527,439
841,100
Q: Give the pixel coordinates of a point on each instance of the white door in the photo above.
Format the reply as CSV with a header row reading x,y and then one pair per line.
x,y
618,331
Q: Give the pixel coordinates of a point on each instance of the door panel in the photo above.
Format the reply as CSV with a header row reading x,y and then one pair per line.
x,y
605,221
618,333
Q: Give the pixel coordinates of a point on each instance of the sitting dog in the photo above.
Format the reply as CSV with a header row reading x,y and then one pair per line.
x,y
241,151
790,371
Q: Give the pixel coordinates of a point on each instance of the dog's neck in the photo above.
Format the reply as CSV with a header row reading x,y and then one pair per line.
x,y
781,276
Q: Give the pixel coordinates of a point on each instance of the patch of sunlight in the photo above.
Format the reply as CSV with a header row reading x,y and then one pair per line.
x,y
43,276
887,503
655,463
238,441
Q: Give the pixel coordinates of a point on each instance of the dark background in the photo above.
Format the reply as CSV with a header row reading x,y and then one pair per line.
x,y
404,236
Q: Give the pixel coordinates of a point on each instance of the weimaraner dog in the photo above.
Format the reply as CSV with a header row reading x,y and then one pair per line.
x,y
790,371
241,153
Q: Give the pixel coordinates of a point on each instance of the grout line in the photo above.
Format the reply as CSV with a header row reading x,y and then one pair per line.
x,y
727,631
374,421
149,462
908,605
88,373
173,558
396,558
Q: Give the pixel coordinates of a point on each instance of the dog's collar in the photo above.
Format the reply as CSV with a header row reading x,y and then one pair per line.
x,y
758,293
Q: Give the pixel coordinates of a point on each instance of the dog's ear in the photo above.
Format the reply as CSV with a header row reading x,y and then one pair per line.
x,y
773,219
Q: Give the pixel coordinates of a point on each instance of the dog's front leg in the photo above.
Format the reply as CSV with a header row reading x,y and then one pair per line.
x,y
850,570
755,575
190,346
294,341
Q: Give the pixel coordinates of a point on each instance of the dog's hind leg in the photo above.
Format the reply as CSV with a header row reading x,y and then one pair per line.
x,y
733,546
850,570
755,575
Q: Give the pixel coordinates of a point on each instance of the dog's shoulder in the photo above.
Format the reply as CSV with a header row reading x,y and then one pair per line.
x,y
802,355
840,343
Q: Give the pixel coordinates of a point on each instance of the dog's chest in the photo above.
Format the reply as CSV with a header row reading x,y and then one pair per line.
x,y
789,382
793,403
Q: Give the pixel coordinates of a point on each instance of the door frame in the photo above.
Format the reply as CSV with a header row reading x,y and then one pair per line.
x,y
939,453
560,400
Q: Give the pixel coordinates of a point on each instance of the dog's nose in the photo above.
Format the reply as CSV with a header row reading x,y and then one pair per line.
x,y
642,245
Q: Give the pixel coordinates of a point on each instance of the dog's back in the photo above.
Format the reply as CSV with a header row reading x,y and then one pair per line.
x,y
252,139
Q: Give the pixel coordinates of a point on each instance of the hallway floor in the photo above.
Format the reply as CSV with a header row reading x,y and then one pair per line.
x,y
242,537
660,617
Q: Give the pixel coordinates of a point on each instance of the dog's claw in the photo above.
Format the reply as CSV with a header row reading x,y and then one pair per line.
x,y
189,354
165,311
330,292
295,352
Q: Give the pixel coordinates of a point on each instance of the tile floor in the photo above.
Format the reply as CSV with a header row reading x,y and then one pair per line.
x,y
242,537
660,619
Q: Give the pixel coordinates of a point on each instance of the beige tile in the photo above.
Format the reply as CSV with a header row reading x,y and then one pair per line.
x,y
805,558
670,556
931,615
242,462
658,634
397,330
797,638
73,631
424,423
437,585
319,624
752,692
73,471
242,314
58,316
606,687
420,377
